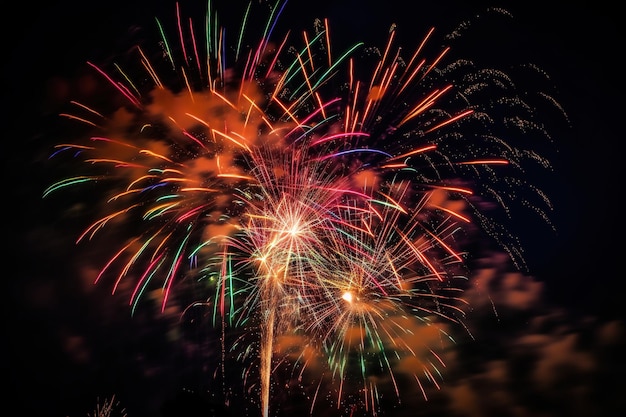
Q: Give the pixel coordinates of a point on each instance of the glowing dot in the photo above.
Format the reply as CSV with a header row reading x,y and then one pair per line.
x,y
347,296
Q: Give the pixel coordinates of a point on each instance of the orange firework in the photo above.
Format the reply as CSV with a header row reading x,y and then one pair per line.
x,y
321,198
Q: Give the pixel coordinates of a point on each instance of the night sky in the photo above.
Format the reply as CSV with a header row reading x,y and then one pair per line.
x,y
554,347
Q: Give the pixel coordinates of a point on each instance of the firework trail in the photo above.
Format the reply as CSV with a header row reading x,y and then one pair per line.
x,y
316,194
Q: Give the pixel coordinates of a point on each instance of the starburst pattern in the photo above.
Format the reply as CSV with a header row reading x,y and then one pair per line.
x,y
317,195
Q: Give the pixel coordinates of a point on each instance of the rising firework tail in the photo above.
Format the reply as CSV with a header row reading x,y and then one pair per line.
x,y
319,197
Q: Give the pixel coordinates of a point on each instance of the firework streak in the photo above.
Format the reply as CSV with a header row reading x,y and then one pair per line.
x,y
320,196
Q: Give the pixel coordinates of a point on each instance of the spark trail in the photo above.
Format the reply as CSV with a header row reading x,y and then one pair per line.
x,y
313,201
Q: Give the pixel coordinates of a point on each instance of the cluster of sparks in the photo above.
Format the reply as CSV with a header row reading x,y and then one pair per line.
x,y
311,201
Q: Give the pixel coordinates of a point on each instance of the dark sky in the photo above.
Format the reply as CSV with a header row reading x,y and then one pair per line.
x,y
555,347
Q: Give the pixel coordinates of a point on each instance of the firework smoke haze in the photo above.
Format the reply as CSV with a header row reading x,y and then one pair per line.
x,y
320,199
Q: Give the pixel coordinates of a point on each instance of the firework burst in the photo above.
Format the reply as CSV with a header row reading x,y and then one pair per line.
x,y
320,197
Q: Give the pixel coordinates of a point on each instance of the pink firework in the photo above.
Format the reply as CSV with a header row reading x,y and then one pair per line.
x,y
320,196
